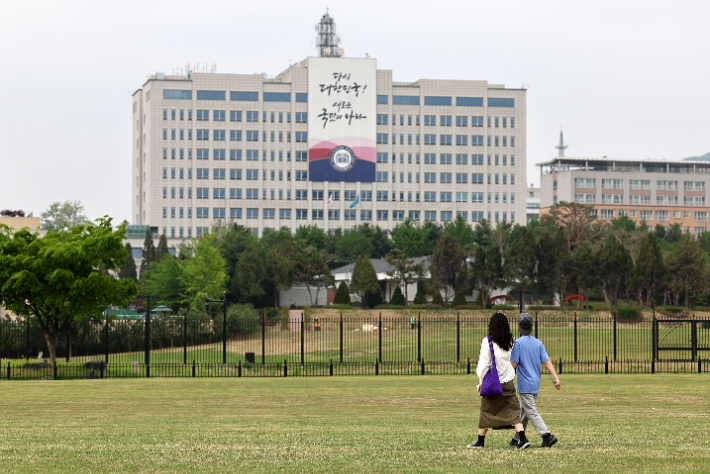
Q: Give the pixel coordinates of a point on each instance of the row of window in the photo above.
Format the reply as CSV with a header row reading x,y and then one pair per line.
x,y
250,96
648,215
446,140
664,185
302,175
332,215
445,101
253,96
447,121
639,200
319,195
234,116
235,135
220,154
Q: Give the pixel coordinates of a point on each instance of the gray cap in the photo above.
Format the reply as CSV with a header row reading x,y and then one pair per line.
x,y
525,323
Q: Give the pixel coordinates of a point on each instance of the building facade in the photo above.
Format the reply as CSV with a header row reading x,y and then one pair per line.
x,y
533,203
241,147
655,192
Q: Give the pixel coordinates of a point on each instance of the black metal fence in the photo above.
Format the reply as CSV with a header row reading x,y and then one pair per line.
x,y
341,346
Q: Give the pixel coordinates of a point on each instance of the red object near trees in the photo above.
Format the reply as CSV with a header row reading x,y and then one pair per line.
x,y
505,297
573,297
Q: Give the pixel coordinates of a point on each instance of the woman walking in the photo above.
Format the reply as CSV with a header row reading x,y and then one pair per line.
x,y
498,411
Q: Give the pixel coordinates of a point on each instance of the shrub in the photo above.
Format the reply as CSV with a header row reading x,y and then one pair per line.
x,y
437,299
628,314
543,308
459,299
343,294
504,307
338,306
468,306
398,298
427,306
420,297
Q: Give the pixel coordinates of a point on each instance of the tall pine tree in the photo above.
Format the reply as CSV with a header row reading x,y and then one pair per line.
x,y
129,269
149,252
650,271
364,281
162,250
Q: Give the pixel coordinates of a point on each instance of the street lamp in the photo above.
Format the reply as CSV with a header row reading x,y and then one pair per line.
x,y
209,300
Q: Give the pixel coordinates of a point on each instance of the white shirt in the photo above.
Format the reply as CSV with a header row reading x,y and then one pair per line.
x,y
506,372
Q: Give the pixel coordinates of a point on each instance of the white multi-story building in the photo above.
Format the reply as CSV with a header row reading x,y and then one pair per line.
x,y
210,146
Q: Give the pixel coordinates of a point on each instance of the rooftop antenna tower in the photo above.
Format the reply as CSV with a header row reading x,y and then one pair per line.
x,y
561,147
326,38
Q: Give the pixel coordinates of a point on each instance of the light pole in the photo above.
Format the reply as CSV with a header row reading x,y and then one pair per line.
x,y
209,300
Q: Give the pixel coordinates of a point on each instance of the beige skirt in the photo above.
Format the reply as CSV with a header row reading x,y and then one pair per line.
x,y
502,411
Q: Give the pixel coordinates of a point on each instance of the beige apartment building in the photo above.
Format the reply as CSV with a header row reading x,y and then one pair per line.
x,y
655,192
236,147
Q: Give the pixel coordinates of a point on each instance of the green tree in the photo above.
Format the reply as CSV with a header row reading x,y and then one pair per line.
x,y
420,297
343,294
278,251
62,216
415,240
486,271
673,234
231,241
462,232
459,299
312,235
149,254
404,271
614,266
204,274
578,221
312,271
245,285
687,267
649,274
398,298
165,280
585,270
448,268
381,243
129,269
521,257
353,245
364,280
57,279
162,250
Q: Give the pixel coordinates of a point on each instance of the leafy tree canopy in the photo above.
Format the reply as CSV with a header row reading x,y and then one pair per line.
x,y
63,215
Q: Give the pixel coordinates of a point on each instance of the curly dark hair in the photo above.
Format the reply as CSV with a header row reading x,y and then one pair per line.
x,y
499,331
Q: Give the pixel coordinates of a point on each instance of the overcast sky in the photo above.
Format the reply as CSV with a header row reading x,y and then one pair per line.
x,y
625,79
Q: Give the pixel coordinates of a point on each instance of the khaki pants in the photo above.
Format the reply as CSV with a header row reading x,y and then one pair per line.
x,y
528,412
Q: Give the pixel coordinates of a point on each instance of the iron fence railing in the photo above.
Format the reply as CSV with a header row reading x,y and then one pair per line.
x,y
350,345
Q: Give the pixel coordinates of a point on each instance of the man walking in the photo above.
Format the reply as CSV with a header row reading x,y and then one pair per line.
x,y
527,356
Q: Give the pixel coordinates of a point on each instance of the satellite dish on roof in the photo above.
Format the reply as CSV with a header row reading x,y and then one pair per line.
x,y
341,51
327,50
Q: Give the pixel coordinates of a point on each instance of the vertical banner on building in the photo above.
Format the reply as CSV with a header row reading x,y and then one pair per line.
x,y
342,121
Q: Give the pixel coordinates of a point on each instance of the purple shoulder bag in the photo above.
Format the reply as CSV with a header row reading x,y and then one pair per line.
x,y
491,383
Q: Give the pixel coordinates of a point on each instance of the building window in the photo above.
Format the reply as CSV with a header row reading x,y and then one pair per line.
x,y
445,140
607,213
445,197
382,138
252,213
640,183
382,215
334,215
429,216
365,215
694,185
445,178
349,215
583,183
218,193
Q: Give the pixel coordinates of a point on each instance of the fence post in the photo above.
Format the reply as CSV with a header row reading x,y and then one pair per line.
x,y
224,334
239,368
107,346
147,335
614,316
700,366
69,342
263,339
575,336
101,370
303,328
419,337
9,371
379,338
606,365
653,337
458,337
341,338
377,367
285,368
27,320
193,368
422,366
55,370
331,367
694,339
560,371
468,367
536,325
184,340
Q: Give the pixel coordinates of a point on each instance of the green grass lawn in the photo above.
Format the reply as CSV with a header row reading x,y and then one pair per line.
x,y
643,423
